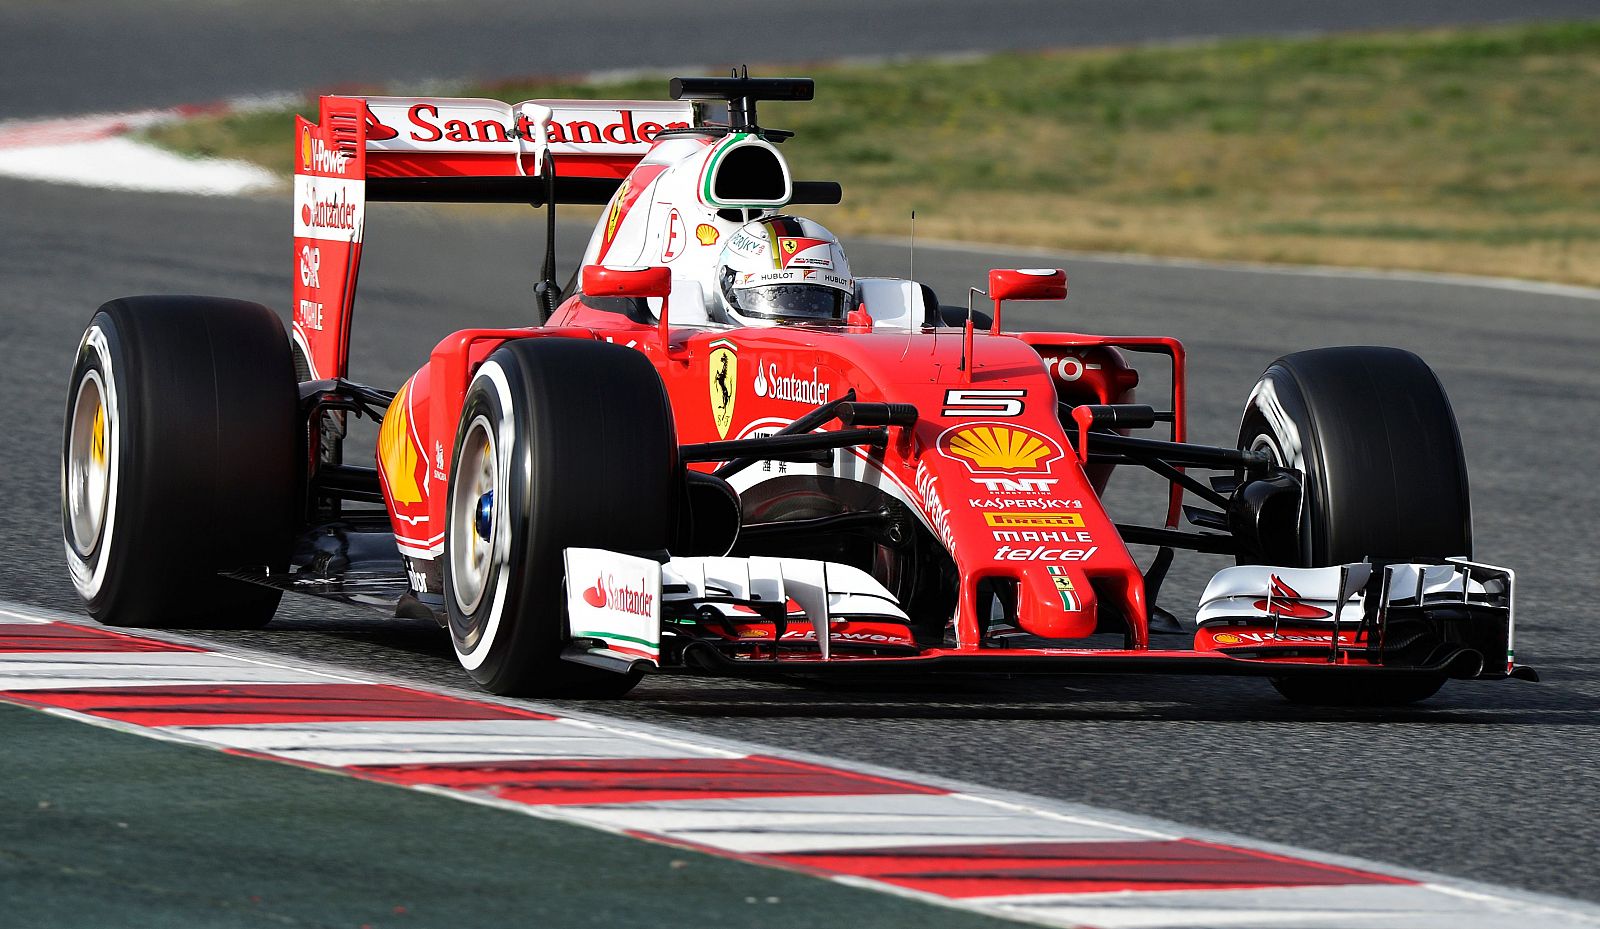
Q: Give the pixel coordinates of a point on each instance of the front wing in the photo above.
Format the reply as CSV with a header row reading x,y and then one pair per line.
x,y
757,616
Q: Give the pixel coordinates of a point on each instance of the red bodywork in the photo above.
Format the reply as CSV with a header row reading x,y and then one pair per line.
x,y
988,465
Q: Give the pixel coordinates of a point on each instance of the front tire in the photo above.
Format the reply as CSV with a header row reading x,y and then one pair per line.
x,y
178,461
1374,438
561,444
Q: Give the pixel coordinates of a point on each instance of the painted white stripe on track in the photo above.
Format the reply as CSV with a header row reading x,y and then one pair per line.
x,y
124,164
343,744
22,671
12,616
1417,906
969,815
779,825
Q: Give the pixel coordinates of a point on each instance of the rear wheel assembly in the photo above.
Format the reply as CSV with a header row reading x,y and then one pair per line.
x,y
178,461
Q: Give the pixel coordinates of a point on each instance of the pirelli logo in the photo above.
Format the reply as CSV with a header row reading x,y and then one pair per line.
x,y
1034,520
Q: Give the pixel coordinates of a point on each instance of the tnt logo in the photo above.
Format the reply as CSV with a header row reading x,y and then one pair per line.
x,y
1017,485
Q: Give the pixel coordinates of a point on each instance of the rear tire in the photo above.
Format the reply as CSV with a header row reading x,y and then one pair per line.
x,y
576,443
1375,440
178,461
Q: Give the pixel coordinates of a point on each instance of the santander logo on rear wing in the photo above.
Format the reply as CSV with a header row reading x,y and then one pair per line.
x,y
431,136
426,148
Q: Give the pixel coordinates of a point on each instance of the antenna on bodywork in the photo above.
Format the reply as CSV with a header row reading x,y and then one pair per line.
x,y
547,289
912,275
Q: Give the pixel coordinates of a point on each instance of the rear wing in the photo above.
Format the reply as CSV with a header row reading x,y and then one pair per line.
x,y
441,149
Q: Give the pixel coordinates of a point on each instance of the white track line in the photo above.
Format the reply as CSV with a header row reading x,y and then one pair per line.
x,y
837,823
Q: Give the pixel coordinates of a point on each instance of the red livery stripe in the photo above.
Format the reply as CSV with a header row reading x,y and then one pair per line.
x,y
238,704
1079,867
59,637
635,780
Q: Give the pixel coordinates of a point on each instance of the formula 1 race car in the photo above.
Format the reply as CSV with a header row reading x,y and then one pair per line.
x,y
722,452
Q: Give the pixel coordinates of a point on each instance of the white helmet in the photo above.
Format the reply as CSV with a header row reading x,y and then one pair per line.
x,y
783,269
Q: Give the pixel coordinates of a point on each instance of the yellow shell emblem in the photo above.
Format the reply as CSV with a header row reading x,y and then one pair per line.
x,y
1000,448
305,149
397,454
724,383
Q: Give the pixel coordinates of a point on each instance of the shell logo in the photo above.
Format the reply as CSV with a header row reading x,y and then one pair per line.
x,y
1226,638
706,233
396,453
990,447
305,148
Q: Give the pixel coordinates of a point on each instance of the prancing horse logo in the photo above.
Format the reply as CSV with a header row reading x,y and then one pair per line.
x,y
724,384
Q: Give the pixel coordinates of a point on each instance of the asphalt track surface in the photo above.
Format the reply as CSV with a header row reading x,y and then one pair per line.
x,y
94,56
1489,781
1493,782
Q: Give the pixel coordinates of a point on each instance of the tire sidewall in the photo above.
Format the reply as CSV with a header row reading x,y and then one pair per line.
x,y
1277,420
1374,438
201,408
476,634
96,574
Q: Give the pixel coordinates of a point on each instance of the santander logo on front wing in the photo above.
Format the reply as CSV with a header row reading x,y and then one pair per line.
x,y
607,594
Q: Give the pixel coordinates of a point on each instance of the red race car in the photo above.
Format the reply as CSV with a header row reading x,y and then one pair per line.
x,y
723,451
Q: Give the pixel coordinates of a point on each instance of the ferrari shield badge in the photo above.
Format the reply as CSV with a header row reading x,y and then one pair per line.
x,y
724,384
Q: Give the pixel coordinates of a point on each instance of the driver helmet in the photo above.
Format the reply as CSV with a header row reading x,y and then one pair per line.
x,y
783,269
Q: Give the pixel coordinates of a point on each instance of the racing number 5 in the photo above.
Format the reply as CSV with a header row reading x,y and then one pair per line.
x,y
983,402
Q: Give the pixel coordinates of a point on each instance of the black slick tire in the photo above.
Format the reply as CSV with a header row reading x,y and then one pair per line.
x,y
1375,439
179,461
575,444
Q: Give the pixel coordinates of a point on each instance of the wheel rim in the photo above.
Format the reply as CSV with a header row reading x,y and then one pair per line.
x,y
474,497
1265,442
91,450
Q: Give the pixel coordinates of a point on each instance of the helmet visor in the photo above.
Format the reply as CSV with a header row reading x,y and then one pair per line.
x,y
791,301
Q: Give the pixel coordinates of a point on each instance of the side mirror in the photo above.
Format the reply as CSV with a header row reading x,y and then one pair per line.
x,y
1025,284
633,281
1028,284
618,281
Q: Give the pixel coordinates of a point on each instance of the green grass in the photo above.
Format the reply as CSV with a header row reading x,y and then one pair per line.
x,y
1455,150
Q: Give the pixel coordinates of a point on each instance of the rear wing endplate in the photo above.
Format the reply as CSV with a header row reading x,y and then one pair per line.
x,y
441,149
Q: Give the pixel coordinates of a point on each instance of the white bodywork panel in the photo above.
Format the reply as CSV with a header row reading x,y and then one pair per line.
x,y
835,592
616,599
1259,591
893,303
